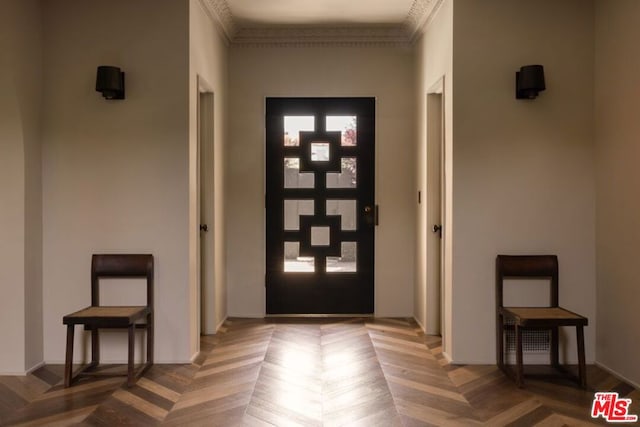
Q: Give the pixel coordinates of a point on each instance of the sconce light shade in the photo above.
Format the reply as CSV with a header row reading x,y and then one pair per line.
x,y
110,81
529,81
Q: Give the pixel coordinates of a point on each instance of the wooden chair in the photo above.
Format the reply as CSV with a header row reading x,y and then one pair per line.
x,y
519,318
96,316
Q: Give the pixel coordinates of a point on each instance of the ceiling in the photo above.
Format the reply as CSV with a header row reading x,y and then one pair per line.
x,y
285,22
247,13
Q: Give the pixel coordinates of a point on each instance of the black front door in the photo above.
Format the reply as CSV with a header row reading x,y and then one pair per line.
x,y
320,205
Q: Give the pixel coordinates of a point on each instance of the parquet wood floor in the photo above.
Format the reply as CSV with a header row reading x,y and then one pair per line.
x,y
308,372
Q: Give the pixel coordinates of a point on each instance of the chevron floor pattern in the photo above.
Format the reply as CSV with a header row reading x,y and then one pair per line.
x,y
308,372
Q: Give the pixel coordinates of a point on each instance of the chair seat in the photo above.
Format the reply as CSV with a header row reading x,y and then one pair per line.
x,y
105,316
543,316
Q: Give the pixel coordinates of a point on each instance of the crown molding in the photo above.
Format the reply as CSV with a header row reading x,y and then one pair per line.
x,y
413,21
418,18
220,14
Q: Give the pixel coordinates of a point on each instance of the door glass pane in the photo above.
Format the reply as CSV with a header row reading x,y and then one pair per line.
x,y
320,151
347,262
293,262
292,211
292,127
292,176
346,209
320,236
345,124
345,179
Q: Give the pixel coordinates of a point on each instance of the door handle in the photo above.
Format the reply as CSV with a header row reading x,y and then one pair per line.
x,y
204,227
437,228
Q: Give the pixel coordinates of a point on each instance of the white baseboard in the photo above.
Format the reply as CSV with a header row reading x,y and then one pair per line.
x,y
217,329
529,358
22,373
248,315
424,330
220,324
119,362
33,368
618,375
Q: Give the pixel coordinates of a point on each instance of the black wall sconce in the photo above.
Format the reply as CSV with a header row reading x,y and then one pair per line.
x,y
529,81
110,81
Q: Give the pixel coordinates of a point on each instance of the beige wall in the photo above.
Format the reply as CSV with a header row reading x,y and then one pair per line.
x,y
208,69
434,61
12,231
387,74
618,207
119,176
20,185
116,173
523,170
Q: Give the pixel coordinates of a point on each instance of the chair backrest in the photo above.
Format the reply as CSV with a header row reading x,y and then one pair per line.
x,y
123,266
527,266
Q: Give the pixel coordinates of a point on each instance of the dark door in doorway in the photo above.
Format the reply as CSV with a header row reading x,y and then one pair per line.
x,y
320,211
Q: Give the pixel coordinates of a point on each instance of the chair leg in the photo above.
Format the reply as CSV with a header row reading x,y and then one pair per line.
x,y
500,341
95,347
150,339
519,369
555,353
68,360
130,373
582,366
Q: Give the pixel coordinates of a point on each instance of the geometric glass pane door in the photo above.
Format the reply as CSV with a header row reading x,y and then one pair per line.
x,y
320,214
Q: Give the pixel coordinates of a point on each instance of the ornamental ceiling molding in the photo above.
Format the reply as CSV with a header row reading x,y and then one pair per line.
x,y
419,17
220,14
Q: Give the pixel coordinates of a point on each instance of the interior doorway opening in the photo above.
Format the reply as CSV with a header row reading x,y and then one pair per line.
x,y
435,211
205,210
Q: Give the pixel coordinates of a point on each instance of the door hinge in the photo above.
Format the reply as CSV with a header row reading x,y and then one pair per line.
x,y
376,219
